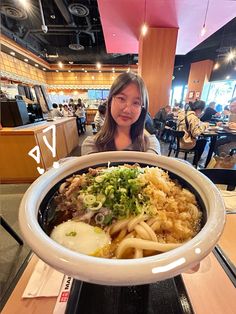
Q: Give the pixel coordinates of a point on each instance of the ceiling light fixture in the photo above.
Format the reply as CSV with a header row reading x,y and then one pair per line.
x,y
100,71
69,70
144,28
85,71
36,64
57,70
203,30
227,77
60,64
44,69
71,62
98,65
230,56
26,60
52,56
216,66
24,3
12,53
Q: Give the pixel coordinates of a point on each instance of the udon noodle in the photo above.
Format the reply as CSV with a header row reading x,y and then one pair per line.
x,y
124,212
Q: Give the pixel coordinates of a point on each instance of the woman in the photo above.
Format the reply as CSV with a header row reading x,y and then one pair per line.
x,y
80,113
189,122
100,116
123,128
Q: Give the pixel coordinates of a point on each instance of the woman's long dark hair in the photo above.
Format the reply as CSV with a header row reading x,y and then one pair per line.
x,y
105,138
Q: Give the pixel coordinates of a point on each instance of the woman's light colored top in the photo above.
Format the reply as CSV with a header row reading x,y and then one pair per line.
x,y
89,146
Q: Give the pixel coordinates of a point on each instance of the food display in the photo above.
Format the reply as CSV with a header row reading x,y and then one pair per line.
x,y
123,212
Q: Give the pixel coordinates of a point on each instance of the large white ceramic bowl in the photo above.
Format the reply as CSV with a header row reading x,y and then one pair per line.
x,y
132,271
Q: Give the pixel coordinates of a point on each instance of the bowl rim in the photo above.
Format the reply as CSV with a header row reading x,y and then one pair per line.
x,y
192,251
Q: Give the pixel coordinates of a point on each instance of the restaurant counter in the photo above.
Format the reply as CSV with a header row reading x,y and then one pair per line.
x,y
90,115
16,166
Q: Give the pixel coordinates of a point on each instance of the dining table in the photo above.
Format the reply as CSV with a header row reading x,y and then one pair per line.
x,y
214,134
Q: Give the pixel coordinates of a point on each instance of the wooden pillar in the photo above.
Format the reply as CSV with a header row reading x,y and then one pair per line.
x,y
156,64
199,74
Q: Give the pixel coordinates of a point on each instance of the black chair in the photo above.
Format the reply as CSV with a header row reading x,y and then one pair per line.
x,y
175,145
10,231
221,176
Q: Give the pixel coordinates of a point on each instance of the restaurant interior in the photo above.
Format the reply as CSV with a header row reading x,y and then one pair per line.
x,y
59,59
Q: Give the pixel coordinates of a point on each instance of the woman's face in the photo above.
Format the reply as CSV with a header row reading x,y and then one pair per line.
x,y
126,106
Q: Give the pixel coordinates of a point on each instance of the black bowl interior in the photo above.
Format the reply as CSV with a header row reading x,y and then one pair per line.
x,y
47,210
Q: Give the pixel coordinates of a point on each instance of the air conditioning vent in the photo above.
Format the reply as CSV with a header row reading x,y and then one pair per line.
x,y
76,46
78,9
15,13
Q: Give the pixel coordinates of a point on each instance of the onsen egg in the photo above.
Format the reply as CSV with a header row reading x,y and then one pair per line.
x,y
80,237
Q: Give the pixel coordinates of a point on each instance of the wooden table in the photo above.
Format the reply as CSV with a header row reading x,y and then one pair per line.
x,y
210,291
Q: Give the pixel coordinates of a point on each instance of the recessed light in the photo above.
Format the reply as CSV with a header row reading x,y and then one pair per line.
x,y
69,70
57,70
85,71
71,62
227,77
26,60
98,65
100,71
216,66
82,69
44,69
12,53
36,64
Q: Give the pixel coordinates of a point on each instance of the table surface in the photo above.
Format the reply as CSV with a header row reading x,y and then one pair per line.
x,y
208,288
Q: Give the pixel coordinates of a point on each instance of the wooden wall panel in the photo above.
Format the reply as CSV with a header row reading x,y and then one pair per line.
x,y
156,64
21,68
80,78
199,74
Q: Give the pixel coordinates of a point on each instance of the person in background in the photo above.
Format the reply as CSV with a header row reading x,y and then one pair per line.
x,y
160,119
60,108
67,112
149,125
100,116
209,112
232,116
80,103
226,112
55,112
189,122
80,113
123,128
227,143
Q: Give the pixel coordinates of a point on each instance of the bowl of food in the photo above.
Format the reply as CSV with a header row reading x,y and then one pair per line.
x,y
122,218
